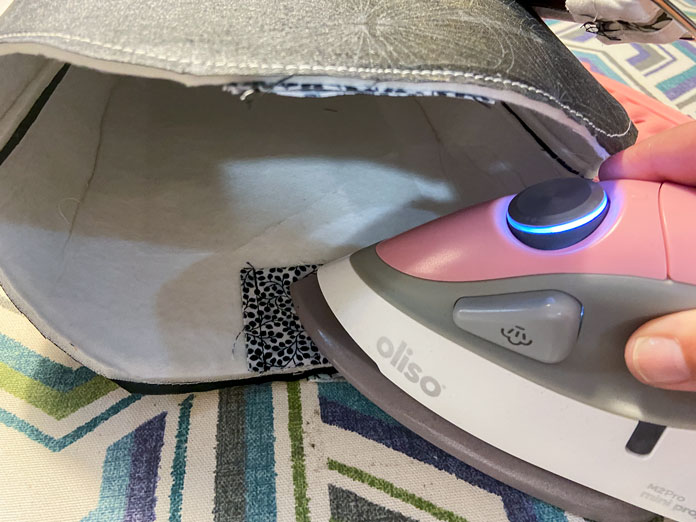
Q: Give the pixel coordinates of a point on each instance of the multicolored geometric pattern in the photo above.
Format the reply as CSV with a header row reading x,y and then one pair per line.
x,y
665,72
130,475
74,446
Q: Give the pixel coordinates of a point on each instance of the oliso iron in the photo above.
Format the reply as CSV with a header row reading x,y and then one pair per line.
x,y
497,333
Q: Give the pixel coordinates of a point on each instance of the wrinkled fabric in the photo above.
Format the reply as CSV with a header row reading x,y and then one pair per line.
x,y
616,21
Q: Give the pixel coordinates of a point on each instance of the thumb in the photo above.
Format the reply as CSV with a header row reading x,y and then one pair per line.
x,y
662,352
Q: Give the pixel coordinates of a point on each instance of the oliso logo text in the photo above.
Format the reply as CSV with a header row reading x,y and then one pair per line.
x,y
399,358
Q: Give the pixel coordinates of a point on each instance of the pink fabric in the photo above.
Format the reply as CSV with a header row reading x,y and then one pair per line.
x,y
476,244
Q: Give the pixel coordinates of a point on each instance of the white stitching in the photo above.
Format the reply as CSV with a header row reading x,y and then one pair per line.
x,y
324,69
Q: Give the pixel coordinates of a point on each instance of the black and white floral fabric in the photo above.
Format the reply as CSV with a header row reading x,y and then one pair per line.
x,y
275,338
320,88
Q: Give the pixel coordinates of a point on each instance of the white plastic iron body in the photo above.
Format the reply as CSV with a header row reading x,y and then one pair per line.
x,y
564,436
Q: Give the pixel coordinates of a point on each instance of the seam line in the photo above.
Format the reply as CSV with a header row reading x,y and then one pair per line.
x,y
324,68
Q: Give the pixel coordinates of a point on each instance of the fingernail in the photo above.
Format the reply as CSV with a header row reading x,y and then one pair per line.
x,y
660,360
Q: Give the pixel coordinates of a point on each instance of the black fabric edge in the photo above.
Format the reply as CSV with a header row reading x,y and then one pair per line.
x,y
33,114
170,389
545,147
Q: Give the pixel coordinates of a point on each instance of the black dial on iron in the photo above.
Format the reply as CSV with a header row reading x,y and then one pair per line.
x,y
557,213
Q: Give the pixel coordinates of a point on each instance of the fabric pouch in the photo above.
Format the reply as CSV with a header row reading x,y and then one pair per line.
x,y
151,151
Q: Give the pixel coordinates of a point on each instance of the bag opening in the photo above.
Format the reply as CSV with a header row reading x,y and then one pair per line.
x,y
130,205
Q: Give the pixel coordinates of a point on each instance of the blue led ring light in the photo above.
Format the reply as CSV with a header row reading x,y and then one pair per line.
x,y
557,213
563,227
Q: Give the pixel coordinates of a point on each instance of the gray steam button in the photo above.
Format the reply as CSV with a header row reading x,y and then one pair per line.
x,y
543,325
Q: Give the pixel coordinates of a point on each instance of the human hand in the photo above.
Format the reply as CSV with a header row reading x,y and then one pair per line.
x,y
662,352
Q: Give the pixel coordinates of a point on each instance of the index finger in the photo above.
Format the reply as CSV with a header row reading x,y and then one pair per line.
x,y
667,156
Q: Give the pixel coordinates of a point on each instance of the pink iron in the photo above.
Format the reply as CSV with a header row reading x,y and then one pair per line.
x,y
497,333
505,348
490,244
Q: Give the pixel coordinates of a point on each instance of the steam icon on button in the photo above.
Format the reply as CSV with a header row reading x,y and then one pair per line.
x,y
516,336
540,324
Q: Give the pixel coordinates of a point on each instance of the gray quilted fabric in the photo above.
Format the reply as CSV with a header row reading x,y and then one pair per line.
x,y
494,43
